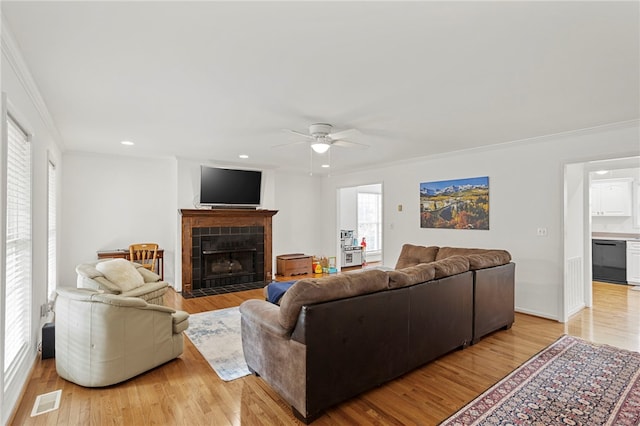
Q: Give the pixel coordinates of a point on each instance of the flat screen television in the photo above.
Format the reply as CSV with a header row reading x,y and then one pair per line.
x,y
230,187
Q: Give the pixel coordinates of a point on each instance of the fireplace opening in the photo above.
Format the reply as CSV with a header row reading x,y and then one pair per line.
x,y
226,256
228,266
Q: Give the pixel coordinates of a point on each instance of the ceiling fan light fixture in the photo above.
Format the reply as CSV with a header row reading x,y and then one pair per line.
x,y
320,147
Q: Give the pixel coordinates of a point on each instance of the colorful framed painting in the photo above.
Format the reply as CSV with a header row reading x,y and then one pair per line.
x,y
455,204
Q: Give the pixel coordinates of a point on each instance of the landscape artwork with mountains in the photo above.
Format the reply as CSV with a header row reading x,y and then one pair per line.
x,y
455,204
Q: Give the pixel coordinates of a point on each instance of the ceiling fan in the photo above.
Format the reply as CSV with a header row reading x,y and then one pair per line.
x,y
323,139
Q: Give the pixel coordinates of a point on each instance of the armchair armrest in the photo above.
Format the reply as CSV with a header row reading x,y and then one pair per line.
x,y
89,295
146,288
180,321
263,315
159,308
147,275
104,284
76,293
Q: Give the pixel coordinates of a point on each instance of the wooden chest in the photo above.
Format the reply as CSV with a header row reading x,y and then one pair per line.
x,y
294,264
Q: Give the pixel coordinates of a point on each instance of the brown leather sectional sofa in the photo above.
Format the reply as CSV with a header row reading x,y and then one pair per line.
x,y
334,337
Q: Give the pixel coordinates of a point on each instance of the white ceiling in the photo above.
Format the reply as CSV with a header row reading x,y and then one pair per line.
x,y
211,80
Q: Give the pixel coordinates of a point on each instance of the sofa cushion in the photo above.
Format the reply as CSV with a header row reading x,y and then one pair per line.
x,y
452,265
121,273
412,275
478,258
315,290
489,259
411,255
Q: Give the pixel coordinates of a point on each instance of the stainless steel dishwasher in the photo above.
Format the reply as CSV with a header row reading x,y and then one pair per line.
x,y
609,261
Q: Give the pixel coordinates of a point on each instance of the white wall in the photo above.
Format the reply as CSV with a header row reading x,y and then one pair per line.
x,y
299,221
112,201
25,103
526,192
296,196
576,254
348,209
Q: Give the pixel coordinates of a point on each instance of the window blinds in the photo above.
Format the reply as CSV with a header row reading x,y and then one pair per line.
x,y
18,248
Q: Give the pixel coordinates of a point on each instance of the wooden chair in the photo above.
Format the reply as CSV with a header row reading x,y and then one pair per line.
x,y
145,254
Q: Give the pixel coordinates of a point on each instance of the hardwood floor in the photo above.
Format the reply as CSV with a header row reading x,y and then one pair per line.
x,y
186,391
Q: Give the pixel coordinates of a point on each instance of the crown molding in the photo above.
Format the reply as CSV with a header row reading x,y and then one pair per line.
x,y
14,58
633,123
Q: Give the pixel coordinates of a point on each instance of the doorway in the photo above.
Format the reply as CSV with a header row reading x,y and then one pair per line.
x,y
360,211
579,226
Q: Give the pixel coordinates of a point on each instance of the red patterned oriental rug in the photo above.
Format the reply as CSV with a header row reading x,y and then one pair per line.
x,y
571,382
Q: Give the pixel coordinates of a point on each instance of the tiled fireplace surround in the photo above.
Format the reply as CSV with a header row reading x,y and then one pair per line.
x,y
236,245
224,255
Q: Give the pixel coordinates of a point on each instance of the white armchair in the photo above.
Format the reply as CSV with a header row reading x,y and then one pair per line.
x,y
103,339
119,276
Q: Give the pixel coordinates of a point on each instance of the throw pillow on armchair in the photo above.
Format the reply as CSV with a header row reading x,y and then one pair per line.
x,y
122,273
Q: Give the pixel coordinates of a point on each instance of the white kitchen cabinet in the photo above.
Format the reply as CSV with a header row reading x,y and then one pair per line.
x,y
633,262
611,197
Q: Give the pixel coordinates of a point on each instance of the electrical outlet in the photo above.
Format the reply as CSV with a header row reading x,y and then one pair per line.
x,y
542,232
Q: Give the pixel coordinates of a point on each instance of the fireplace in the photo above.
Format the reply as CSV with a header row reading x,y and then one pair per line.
x,y
224,248
227,255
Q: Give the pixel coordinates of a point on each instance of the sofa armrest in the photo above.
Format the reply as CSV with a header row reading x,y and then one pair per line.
x,y
494,299
264,316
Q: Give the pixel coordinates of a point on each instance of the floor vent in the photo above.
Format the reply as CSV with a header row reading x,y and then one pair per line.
x,y
46,402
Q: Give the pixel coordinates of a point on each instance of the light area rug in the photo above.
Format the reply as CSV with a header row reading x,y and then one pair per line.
x,y
216,334
571,382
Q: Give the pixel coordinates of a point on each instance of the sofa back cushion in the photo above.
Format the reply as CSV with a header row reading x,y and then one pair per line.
x,y
121,273
411,275
452,265
478,258
489,259
315,290
411,255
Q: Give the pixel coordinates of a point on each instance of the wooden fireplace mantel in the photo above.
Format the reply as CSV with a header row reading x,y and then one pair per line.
x,y
201,218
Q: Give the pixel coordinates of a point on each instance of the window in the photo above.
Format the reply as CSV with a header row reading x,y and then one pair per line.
x,y
51,237
18,248
370,220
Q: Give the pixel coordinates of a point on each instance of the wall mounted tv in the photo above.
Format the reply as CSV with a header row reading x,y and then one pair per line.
x,y
229,187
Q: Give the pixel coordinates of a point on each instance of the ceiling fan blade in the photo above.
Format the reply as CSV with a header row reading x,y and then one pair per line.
x,y
288,144
345,134
298,133
349,144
